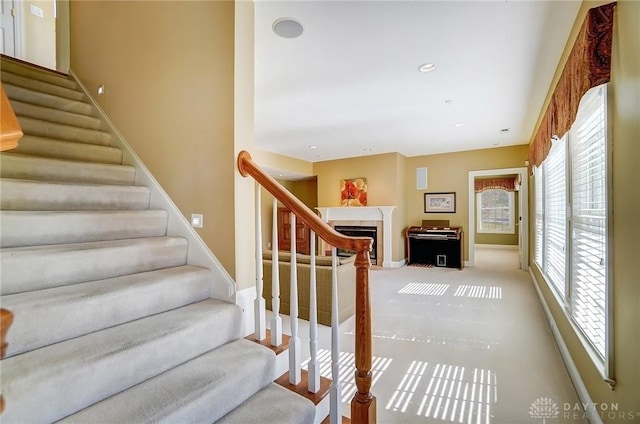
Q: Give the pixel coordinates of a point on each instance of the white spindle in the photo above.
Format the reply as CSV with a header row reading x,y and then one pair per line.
x,y
295,372
276,320
314,372
259,309
336,390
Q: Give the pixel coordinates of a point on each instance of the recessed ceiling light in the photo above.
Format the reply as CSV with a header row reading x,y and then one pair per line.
x,y
287,28
427,67
459,124
313,147
505,130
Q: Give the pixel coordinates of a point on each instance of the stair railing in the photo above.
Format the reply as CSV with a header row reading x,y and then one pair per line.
x,y
10,130
363,404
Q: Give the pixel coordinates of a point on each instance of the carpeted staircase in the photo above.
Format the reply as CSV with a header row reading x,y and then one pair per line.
x,y
112,324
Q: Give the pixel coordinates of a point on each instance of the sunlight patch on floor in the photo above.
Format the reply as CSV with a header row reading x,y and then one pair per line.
x,y
459,395
479,292
346,361
427,289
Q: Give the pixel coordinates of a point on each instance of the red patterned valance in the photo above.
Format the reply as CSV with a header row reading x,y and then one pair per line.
x,y
508,184
588,65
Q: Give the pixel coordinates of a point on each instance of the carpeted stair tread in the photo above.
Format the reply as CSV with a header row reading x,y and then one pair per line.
x,y
41,86
30,228
70,150
199,391
13,165
21,195
274,404
41,267
48,129
37,74
48,316
53,115
48,100
71,375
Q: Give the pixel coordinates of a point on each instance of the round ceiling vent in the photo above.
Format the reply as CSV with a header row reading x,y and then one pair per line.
x,y
287,28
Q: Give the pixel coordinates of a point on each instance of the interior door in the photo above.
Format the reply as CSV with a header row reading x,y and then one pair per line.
x,y
7,28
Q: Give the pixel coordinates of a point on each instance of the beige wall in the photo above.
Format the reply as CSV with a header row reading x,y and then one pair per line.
x,y
450,173
625,96
38,33
168,71
384,182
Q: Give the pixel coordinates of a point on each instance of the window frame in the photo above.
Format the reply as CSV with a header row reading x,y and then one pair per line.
x,y
604,363
512,219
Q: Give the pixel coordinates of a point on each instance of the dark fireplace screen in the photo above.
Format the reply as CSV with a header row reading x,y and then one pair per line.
x,y
359,231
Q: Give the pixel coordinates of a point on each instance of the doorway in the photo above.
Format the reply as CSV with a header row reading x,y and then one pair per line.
x,y
36,32
521,219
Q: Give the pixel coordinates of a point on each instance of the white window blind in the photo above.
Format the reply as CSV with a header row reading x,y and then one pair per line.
x,y
539,218
589,218
555,215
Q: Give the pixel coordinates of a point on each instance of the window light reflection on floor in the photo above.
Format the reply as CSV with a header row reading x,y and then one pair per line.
x,y
402,396
479,292
427,289
457,395
347,367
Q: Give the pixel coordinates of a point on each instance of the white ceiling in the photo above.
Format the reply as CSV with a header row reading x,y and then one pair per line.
x,y
350,82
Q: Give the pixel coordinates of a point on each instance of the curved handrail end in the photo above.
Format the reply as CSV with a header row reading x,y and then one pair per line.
x,y
242,156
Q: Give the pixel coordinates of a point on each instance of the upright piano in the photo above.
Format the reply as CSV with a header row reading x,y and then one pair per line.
x,y
435,246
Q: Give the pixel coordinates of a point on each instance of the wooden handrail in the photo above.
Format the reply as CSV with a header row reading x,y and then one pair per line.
x,y
10,131
246,166
363,404
6,319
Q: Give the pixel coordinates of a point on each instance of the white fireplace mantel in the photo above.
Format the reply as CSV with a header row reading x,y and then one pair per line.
x,y
365,213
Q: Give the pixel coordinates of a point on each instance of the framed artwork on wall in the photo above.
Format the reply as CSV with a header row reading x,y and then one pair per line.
x,y
439,203
353,192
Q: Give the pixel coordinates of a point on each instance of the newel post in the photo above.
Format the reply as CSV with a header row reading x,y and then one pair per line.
x,y
363,404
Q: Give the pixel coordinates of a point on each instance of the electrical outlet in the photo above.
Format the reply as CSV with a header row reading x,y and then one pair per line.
x,y
197,221
268,245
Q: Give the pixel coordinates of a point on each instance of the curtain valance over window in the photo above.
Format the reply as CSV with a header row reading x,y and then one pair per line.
x,y
508,184
588,65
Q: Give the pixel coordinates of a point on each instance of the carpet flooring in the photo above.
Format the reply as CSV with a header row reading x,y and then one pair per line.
x,y
470,346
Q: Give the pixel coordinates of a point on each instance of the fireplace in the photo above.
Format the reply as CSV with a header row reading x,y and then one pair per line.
x,y
365,216
359,231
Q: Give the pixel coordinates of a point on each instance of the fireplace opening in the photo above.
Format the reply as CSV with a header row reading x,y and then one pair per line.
x,y
359,231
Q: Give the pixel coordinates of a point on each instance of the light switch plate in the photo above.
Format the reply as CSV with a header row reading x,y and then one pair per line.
x,y
197,220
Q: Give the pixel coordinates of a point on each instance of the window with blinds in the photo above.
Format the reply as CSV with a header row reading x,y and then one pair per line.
x,y
539,216
571,223
589,217
496,214
555,214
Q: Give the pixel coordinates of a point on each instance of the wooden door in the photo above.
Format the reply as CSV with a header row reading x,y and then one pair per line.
x,y
301,235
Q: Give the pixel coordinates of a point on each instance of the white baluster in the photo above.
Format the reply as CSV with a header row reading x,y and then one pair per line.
x,y
276,320
259,309
295,372
335,392
314,373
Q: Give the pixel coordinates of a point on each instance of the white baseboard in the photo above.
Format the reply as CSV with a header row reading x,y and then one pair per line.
x,y
591,411
395,264
497,246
